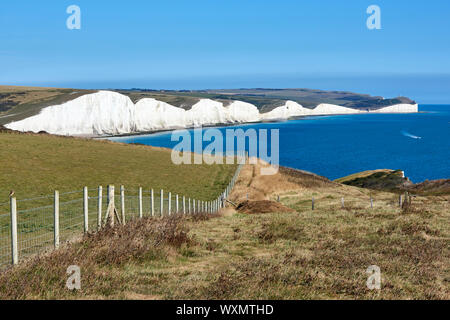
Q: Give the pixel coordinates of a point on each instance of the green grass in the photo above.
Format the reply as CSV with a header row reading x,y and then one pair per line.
x,y
383,179
36,165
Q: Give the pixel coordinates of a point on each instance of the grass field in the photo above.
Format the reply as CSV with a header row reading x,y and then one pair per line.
x,y
33,166
302,254
36,165
305,254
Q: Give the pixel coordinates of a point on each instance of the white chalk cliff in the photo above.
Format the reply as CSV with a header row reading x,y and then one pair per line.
x,y
111,113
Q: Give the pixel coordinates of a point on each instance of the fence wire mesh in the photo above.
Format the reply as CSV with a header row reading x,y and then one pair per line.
x,y
5,239
36,216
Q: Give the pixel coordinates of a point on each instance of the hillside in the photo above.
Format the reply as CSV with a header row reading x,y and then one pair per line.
x,y
296,254
394,180
383,179
268,99
35,165
19,103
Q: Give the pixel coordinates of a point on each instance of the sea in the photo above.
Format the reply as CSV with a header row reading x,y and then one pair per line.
x,y
337,146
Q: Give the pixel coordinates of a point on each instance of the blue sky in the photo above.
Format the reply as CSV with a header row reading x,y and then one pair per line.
x,y
230,44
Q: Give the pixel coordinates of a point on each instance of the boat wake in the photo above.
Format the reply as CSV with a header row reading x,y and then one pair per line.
x,y
409,135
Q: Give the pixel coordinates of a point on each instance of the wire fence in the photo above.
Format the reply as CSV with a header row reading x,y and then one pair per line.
x,y
42,223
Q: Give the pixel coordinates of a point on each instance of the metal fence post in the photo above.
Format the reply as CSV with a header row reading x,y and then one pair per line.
x,y
161,206
86,209
14,243
152,204
140,202
56,219
99,207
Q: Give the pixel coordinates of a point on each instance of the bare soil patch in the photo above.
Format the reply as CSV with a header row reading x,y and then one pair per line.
x,y
262,206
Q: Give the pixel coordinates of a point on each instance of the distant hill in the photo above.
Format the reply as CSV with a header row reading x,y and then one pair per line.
x,y
17,103
394,181
268,99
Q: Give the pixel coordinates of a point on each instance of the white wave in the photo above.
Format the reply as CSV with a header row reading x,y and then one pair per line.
x,y
409,135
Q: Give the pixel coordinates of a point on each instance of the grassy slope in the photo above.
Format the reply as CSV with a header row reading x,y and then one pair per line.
x,y
382,179
17,103
300,255
35,165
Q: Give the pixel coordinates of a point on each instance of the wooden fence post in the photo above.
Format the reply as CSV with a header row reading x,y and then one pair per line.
x,y
122,203
140,203
371,202
400,201
56,219
193,204
86,209
313,203
152,204
184,205
14,243
170,203
343,203
111,205
99,207
161,205
177,206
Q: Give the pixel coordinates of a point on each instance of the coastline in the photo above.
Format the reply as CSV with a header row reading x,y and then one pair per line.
x,y
107,114
221,125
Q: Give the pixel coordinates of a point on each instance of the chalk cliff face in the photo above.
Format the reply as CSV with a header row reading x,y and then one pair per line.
x,y
399,108
151,114
290,109
92,114
111,113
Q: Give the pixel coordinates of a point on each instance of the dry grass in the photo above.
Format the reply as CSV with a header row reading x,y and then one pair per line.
x,y
304,254
98,255
266,187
